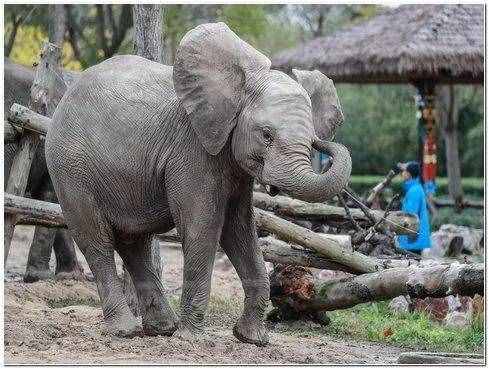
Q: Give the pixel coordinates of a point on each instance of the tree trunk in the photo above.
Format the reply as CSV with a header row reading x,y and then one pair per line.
x,y
46,81
57,24
448,119
295,292
148,30
10,42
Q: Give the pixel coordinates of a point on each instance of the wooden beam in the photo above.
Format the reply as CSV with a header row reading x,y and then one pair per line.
x,y
397,221
34,212
22,118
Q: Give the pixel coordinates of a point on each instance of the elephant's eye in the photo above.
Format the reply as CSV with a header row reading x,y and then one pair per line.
x,y
267,136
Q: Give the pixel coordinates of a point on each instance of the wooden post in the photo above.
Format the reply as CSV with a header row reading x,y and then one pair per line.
x,y
46,81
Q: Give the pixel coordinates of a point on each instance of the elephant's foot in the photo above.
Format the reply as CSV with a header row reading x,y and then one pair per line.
x,y
76,275
33,274
159,326
195,336
124,327
71,270
189,332
251,332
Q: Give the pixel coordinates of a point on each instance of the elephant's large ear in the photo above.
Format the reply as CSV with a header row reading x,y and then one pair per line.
x,y
326,108
212,69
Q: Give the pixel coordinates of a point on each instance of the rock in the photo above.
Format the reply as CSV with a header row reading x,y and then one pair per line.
x,y
400,305
457,319
470,238
439,308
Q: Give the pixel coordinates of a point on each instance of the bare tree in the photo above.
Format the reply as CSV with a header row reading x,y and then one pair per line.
x,y
448,109
148,30
57,26
110,32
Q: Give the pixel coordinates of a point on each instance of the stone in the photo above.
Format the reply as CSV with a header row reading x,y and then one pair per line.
x,y
472,239
457,319
399,305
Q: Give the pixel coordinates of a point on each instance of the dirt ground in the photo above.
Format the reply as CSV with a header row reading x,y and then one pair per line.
x,y
59,322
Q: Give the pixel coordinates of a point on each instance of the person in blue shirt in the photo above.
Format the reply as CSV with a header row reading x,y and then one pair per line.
x,y
414,202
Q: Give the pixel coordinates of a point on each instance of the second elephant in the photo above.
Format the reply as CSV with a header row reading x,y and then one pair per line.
x,y
18,80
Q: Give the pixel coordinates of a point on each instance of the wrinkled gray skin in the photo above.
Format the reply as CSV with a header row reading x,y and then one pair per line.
x,y
138,148
18,81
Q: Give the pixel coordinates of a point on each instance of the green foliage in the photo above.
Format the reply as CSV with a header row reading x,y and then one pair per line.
x,y
29,42
376,322
468,217
248,21
379,126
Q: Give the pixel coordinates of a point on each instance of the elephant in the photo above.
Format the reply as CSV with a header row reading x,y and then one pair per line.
x,y
18,80
138,148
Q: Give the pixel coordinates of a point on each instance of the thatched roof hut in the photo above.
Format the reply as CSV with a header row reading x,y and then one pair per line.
x,y
443,43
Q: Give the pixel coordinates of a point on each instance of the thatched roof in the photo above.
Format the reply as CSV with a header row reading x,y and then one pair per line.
x,y
412,42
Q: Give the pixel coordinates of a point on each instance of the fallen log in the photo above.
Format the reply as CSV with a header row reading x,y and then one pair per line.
x,y
293,299
397,221
328,248
279,252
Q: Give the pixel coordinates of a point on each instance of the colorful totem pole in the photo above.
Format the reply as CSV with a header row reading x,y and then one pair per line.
x,y
426,116
427,145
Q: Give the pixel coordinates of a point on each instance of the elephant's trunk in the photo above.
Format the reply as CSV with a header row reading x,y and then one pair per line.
x,y
307,185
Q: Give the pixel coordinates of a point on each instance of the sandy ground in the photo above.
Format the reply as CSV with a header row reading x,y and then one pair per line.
x,y
59,322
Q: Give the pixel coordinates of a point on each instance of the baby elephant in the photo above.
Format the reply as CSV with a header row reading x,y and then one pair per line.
x,y
138,148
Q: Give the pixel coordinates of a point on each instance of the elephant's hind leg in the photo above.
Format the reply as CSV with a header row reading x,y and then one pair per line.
x,y
158,317
39,255
94,236
67,265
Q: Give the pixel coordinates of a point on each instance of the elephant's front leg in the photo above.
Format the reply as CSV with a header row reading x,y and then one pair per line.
x,y
201,229
239,241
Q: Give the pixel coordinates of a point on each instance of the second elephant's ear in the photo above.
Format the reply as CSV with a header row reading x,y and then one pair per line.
x,y
326,109
211,71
